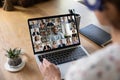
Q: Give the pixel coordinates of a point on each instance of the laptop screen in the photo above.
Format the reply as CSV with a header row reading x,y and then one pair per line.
x,y
53,33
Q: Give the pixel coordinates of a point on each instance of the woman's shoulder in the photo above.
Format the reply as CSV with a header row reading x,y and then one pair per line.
x,y
112,49
100,62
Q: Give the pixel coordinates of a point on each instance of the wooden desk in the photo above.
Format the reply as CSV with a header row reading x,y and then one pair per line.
x,y
14,33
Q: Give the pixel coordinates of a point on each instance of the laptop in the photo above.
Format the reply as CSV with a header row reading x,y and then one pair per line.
x,y
56,38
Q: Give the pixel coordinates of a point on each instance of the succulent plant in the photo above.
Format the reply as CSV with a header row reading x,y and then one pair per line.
x,y
14,58
13,53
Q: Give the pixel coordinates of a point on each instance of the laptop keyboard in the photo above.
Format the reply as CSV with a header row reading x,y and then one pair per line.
x,y
64,56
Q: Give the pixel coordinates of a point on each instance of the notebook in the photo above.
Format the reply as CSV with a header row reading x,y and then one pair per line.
x,y
96,34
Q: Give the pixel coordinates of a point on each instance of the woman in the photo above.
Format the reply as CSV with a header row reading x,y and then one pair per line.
x,y
50,23
102,65
38,48
57,22
37,40
46,47
54,45
68,42
42,25
75,40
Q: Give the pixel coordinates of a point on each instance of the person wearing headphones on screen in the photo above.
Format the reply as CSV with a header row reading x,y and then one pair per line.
x,y
103,64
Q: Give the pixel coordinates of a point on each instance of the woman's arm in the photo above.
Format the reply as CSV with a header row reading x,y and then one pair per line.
x,y
49,71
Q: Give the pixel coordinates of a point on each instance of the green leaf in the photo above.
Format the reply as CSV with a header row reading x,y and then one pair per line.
x,y
13,53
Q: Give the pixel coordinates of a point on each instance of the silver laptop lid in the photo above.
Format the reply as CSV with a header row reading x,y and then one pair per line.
x,y
54,32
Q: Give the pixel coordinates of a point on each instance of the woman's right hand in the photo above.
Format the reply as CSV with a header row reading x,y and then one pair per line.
x,y
49,71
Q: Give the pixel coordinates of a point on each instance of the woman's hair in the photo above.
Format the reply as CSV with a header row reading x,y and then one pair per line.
x,y
68,40
113,19
116,3
36,38
54,42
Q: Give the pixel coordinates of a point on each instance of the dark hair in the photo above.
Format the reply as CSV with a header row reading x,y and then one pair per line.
x,y
36,38
116,3
54,42
54,27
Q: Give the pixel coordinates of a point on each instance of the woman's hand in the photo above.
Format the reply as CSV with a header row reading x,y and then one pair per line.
x,y
49,71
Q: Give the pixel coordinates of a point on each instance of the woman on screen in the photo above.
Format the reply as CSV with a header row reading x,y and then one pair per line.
x,y
68,42
54,45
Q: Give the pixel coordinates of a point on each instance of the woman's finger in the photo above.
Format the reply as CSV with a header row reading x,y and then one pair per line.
x,y
41,67
47,63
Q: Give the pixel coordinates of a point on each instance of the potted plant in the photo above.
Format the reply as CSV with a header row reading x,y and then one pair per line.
x,y
14,59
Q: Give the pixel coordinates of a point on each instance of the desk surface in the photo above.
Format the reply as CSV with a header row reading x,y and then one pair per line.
x,y
14,33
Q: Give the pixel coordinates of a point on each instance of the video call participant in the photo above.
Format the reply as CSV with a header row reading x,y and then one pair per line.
x,y
70,19
37,40
68,42
57,22
33,25
61,44
54,45
35,32
46,47
50,23
38,48
56,35
75,40
74,32
64,20
42,25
